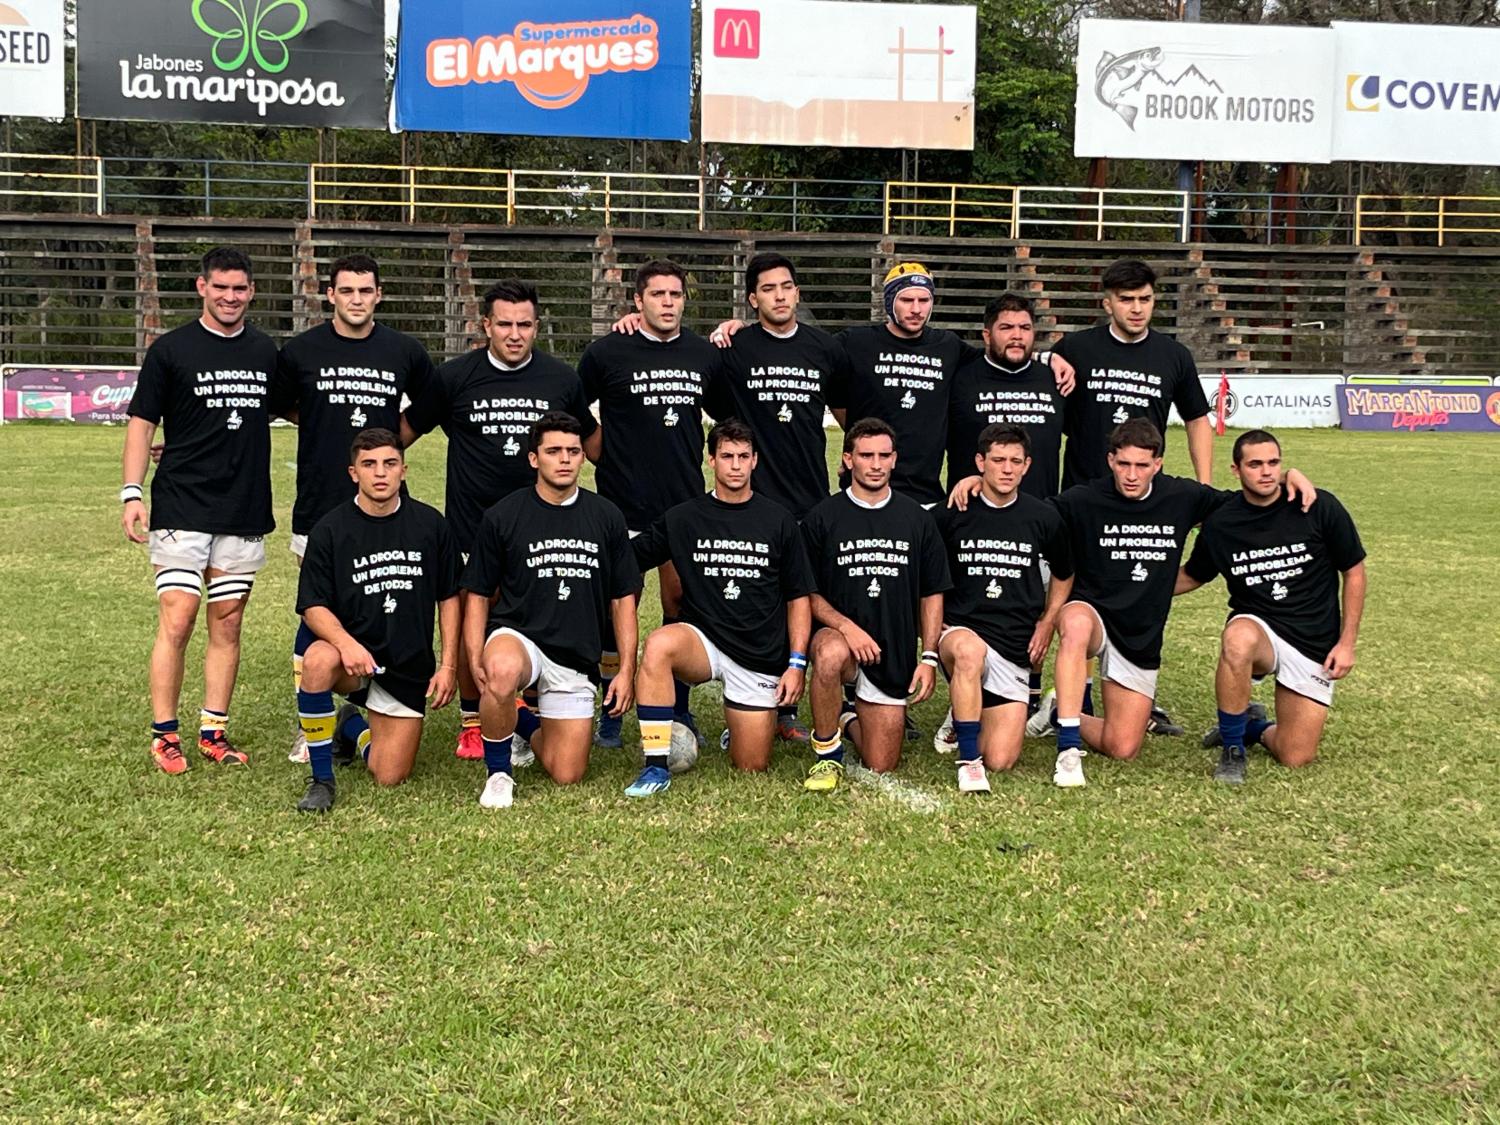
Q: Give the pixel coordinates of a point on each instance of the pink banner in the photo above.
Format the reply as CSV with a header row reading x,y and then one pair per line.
x,y
70,394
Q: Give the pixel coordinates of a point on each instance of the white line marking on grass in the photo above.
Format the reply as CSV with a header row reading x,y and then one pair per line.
x,y
914,797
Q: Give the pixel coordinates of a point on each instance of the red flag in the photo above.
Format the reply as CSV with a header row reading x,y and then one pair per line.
x,y
1223,402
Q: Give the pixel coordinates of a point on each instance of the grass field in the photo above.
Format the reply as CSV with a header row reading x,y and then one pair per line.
x,y
1318,946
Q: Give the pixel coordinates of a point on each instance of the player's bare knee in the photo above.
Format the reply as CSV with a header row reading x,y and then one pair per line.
x,y
1121,745
1295,753
830,652
176,629
504,671
1237,646
321,666
388,776
567,772
968,656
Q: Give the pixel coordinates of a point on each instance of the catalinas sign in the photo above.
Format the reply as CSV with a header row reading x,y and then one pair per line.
x,y
587,70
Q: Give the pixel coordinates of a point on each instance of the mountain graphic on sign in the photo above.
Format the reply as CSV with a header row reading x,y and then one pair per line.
x,y
1192,80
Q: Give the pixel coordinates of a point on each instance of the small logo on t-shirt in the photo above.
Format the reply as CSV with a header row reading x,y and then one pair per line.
x,y
785,413
908,400
670,417
1120,415
873,589
235,421
564,591
1278,591
357,418
511,446
993,590
731,591
390,604
1139,574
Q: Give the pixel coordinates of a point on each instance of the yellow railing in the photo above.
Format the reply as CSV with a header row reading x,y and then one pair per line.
x,y
1013,211
1426,215
46,176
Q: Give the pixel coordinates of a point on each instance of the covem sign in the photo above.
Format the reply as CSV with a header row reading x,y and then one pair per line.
x,y
592,69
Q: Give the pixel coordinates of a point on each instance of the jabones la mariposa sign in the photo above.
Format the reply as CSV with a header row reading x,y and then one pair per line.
x,y
252,62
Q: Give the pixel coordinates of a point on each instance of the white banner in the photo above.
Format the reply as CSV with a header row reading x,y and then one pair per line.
x,y
31,59
1269,401
817,72
1200,91
1420,94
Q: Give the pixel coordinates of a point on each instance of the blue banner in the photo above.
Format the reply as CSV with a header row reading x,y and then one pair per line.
x,y
575,68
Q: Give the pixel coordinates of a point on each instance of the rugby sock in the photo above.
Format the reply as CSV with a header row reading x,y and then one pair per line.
x,y
1254,728
968,740
1232,728
357,730
468,713
527,723
1033,694
1088,696
1069,735
166,726
316,715
211,724
656,733
300,644
830,748
497,755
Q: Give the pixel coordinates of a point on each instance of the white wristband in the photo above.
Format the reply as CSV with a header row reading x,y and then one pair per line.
x,y
129,492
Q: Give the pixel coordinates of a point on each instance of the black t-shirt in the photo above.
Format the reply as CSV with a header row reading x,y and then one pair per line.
x,y
997,585
875,565
1282,564
339,386
778,386
1126,554
905,383
383,577
1118,381
487,414
211,395
984,393
650,394
740,565
556,568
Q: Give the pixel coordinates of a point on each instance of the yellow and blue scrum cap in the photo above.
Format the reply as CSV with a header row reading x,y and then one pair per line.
x,y
906,275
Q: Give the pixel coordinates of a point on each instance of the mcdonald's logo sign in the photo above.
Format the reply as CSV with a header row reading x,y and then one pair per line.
x,y
737,33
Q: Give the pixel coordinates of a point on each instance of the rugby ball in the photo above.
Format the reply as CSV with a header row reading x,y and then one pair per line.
x,y
682,755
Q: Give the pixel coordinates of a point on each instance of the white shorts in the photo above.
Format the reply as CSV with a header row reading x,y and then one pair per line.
x,y
866,690
1294,671
382,702
742,687
181,557
299,545
565,694
1002,678
1114,666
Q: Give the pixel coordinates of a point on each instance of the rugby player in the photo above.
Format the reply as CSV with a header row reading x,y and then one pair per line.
x,y
346,375
651,387
486,402
209,383
999,617
880,569
745,611
374,574
1126,532
1283,567
551,567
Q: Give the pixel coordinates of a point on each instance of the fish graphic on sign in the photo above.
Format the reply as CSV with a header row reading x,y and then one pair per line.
x,y
1118,75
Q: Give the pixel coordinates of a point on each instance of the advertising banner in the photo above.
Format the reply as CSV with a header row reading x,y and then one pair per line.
x,y
1273,401
70,394
246,62
1394,406
575,68
32,82
1419,94
1201,91
817,72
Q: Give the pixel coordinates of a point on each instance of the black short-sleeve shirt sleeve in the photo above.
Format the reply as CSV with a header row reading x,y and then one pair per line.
x,y
429,406
1187,393
934,577
316,583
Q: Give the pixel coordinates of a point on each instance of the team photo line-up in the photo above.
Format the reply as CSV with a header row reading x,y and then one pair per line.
x,y
769,584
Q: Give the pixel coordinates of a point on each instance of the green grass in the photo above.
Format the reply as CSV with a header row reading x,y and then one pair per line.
x,y
1319,946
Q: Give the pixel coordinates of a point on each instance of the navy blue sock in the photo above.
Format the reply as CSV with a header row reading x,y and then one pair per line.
x,y
829,748
1232,728
527,723
167,726
1254,728
468,706
303,640
1088,696
681,692
1069,735
355,729
497,754
968,740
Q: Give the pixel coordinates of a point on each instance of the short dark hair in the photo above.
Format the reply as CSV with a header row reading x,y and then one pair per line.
x,y
1137,433
1127,273
658,267
513,291
867,427
552,422
1253,437
353,263
1007,302
765,263
730,429
374,438
226,259
1004,433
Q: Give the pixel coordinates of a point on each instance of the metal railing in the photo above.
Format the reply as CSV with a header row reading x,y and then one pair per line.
x,y
38,182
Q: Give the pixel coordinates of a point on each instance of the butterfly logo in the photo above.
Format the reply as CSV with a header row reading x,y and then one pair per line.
x,y
263,31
